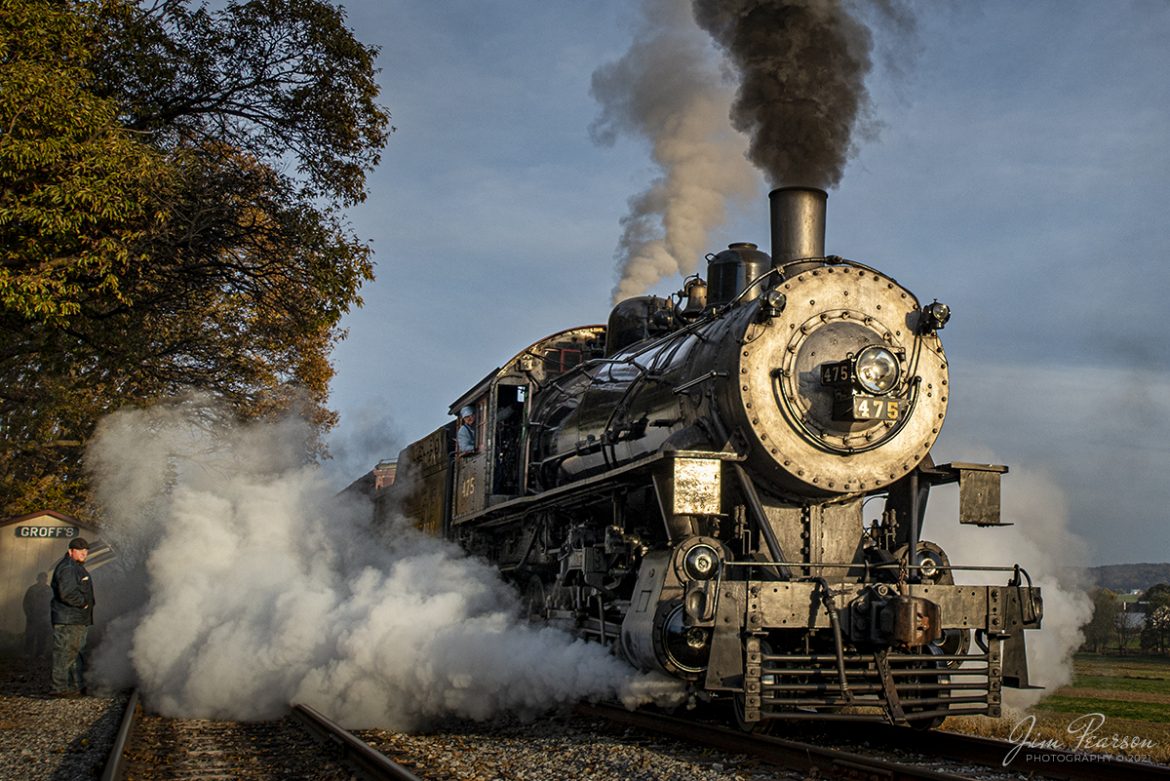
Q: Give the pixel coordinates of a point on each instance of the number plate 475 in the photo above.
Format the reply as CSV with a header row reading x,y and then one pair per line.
x,y
872,408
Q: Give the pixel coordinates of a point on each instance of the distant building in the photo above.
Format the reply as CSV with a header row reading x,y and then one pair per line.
x,y
1133,615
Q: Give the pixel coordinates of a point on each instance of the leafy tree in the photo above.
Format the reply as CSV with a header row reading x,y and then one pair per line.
x,y
77,187
1100,628
1125,627
209,155
1156,633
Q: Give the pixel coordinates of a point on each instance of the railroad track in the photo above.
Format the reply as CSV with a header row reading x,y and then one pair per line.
x,y
819,761
946,756
303,745
306,745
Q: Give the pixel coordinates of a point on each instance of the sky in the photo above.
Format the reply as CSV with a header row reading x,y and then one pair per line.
x,y
1016,168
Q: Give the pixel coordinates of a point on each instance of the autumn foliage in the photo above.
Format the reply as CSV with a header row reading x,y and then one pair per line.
x,y
172,181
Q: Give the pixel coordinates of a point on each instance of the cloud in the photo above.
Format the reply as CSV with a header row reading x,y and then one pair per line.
x,y
1097,431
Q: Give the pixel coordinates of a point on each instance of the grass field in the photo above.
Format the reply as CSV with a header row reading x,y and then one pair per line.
x,y
1131,694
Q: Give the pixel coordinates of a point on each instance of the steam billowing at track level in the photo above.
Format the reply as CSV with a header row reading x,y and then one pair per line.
x,y
689,485
1041,540
799,102
247,588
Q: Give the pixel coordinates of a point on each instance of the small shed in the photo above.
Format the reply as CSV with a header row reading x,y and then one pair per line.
x,y
30,544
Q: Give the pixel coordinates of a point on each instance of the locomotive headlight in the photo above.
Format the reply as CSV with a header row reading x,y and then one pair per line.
x,y
702,562
773,303
876,370
935,315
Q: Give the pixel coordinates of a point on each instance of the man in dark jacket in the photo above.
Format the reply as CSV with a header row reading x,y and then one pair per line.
x,y
72,612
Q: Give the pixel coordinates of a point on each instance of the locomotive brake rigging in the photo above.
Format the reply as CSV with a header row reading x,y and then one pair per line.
x,y
687,483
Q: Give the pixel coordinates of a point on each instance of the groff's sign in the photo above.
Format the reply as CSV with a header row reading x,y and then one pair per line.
x,y
47,531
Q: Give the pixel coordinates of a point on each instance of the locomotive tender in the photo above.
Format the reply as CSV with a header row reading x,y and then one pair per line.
x,y
687,484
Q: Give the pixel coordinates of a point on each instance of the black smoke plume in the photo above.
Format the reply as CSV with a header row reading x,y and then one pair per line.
x,y
802,66
797,69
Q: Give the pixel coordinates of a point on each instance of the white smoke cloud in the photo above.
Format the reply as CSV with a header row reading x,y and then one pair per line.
x,y
369,436
1041,542
669,89
261,589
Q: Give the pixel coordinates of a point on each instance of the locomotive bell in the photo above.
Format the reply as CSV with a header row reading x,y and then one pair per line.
x,y
695,293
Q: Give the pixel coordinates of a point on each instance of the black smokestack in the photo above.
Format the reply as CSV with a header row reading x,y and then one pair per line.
x,y
802,66
798,227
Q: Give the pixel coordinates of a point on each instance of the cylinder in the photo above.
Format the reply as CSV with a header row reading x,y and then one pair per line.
x,y
798,228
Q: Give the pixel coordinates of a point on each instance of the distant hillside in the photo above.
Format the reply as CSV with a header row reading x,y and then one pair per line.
x,y
1126,577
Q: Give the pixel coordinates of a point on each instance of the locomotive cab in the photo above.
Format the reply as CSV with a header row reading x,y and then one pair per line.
x,y
496,470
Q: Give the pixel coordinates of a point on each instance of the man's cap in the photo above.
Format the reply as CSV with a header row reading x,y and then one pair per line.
x,y
467,412
79,543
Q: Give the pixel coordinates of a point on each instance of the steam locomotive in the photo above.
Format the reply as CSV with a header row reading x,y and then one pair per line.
x,y
687,484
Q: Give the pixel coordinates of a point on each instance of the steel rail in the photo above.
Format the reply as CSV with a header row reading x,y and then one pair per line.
x,y
791,754
115,767
368,761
